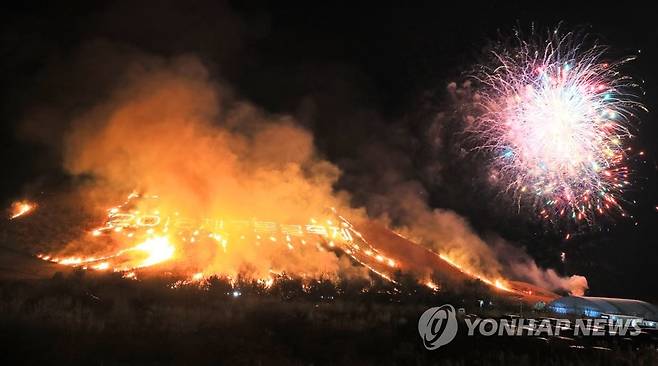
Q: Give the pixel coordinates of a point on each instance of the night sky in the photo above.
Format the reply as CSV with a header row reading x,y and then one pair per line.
x,y
363,78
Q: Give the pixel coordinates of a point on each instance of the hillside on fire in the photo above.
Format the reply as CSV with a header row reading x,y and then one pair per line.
x,y
135,240
226,182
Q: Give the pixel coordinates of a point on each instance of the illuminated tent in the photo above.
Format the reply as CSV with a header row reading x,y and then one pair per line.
x,y
596,306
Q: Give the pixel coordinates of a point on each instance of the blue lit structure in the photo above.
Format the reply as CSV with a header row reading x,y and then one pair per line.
x,y
595,307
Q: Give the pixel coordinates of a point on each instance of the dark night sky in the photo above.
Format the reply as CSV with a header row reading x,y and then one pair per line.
x,y
356,75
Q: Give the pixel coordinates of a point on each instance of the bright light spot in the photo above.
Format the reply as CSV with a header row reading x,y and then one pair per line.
x,y
158,250
101,266
21,208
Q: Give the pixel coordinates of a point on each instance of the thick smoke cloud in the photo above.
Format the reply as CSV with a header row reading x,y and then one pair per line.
x,y
529,271
170,130
520,265
166,128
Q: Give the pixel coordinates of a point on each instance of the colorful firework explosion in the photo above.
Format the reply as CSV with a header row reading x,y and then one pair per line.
x,y
556,116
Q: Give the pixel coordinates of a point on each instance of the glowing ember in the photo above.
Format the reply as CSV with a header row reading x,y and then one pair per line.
x,y
101,266
21,208
431,285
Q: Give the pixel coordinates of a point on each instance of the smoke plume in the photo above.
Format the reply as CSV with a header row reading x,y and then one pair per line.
x,y
167,129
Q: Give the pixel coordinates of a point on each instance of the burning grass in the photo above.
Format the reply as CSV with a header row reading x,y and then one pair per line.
x,y
140,233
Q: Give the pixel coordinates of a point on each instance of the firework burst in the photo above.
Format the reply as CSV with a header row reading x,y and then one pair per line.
x,y
556,116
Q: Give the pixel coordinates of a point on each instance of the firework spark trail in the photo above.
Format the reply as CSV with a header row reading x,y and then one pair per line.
x,y
556,116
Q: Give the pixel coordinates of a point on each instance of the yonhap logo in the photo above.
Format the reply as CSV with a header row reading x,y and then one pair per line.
x,y
437,326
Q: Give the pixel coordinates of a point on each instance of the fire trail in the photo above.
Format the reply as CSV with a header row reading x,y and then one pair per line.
x,y
151,240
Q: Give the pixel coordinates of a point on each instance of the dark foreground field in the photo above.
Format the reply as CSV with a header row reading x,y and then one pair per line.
x,y
106,320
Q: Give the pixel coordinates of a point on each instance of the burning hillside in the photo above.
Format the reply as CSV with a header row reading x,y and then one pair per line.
x,y
138,238
137,234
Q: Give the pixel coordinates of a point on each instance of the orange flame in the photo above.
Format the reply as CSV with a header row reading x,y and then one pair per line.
x,y
165,238
158,249
21,208
497,283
